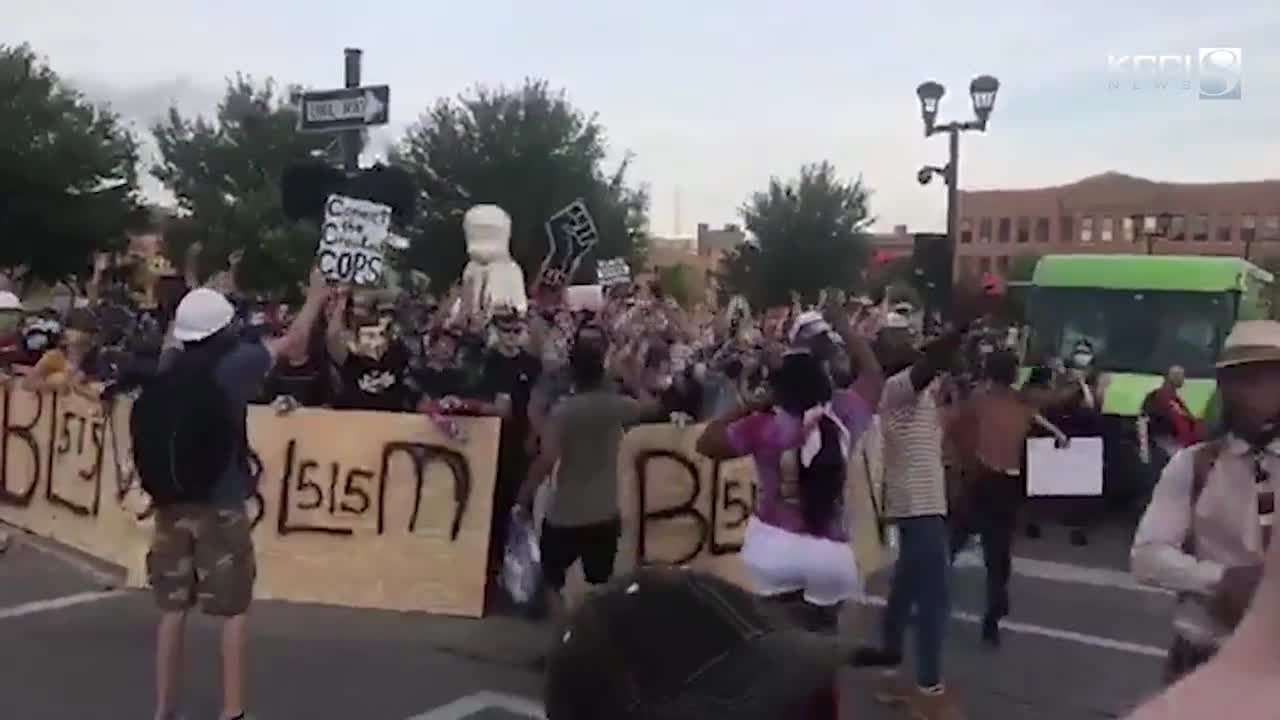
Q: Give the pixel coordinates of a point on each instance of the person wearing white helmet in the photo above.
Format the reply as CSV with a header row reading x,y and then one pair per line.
x,y
192,457
12,350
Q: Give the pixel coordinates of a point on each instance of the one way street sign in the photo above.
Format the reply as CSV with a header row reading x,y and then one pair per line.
x,y
345,109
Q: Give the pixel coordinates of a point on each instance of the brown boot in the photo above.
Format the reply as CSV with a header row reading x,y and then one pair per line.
x,y
892,689
931,705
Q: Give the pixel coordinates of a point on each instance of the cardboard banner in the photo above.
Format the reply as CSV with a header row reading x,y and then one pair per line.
x,y
379,510
681,508
363,509
353,240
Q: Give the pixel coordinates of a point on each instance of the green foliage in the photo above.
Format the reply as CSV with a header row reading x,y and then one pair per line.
x,y
68,186
676,281
810,233
529,151
226,175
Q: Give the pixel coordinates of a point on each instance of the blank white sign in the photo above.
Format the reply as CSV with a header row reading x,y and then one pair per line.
x,y
1073,471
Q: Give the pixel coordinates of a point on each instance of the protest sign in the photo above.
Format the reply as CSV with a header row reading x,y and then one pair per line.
x,y
585,297
353,240
571,232
614,271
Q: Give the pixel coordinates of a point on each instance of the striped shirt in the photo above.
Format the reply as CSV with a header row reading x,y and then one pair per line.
x,y
914,483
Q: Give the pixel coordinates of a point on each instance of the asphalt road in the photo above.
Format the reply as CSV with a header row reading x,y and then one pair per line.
x,y
1082,643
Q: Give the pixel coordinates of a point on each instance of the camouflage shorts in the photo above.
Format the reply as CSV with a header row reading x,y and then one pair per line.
x,y
203,554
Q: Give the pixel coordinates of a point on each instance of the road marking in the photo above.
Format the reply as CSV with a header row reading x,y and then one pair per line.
x,y
465,707
39,606
1081,575
1055,633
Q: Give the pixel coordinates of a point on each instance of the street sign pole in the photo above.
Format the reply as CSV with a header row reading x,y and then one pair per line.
x,y
352,139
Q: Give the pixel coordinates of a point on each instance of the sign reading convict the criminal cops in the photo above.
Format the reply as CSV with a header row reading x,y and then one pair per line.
x,y
353,240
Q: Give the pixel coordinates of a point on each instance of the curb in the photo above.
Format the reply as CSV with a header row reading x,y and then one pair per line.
x,y
104,575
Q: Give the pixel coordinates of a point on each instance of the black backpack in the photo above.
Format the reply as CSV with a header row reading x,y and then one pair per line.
x,y
183,430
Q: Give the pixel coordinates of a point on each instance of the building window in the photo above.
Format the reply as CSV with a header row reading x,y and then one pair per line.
x,y
1271,227
1003,235
1150,224
1177,228
1066,229
1127,226
984,230
1086,229
1200,227
984,264
1223,229
1042,230
966,230
1248,227
1024,230
1002,264
1108,229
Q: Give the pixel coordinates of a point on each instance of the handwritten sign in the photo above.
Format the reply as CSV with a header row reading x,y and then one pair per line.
x,y
353,240
614,271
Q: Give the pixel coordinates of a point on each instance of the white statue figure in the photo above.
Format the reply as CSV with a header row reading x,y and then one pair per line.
x,y
492,278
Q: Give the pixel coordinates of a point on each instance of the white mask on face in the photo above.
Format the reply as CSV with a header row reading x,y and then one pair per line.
x,y
1082,360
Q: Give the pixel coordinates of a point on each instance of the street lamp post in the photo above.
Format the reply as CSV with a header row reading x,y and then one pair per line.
x,y
982,92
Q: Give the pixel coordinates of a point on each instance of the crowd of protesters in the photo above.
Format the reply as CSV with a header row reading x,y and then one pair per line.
x,y
953,422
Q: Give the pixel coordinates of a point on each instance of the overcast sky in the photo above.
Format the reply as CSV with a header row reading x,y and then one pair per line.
x,y
714,96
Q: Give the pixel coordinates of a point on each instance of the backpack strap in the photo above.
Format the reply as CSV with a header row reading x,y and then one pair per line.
x,y
1202,462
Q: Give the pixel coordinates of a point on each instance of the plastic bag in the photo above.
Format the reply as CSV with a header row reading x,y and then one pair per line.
x,y
522,560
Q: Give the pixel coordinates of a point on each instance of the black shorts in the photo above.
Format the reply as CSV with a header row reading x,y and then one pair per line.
x,y
596,545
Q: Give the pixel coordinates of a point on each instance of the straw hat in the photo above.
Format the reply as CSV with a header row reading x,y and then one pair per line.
x,y
1251,341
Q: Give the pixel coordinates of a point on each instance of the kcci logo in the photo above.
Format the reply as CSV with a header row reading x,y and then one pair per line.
x,y
1221,73
1218,75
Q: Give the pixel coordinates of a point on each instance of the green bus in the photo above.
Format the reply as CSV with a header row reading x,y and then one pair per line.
x,y
1144,314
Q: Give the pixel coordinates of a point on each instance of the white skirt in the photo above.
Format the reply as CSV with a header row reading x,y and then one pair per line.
x,y
780,562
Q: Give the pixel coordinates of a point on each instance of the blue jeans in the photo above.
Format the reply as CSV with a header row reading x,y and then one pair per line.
x,y
920,579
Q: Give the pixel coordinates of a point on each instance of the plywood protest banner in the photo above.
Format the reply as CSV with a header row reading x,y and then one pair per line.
x,y
353,240
364,509
380,510
681,508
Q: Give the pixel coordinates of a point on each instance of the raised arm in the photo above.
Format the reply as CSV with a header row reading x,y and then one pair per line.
x,y
295,338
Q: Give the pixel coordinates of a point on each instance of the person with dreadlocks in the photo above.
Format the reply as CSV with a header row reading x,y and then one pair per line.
x,y
796,547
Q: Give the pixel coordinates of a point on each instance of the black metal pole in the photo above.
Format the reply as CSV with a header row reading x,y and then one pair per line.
x,y
351,139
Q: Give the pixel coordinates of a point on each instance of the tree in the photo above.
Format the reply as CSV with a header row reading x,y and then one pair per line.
x,y
226,174
68,185
676,281
810,233
528,151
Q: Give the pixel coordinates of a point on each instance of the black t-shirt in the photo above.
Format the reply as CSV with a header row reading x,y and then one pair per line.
x,y
514,376
437,383
374,384
308,383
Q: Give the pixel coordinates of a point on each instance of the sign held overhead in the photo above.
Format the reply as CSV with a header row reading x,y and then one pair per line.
x,y
345,109
353,240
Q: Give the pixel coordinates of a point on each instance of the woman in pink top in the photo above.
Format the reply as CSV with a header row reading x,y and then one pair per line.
x,y
796,546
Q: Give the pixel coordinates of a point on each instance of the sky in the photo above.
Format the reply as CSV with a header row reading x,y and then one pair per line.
x,y
714,97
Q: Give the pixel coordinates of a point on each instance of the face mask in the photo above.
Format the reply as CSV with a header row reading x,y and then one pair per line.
x,y
1081,360
663,382
985,349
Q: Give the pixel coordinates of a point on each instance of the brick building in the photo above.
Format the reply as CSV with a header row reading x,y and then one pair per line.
x,y
1117,213
722,239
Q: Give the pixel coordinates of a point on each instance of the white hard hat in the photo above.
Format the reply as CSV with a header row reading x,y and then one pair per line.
x,y
201,313
9,301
